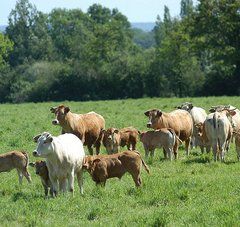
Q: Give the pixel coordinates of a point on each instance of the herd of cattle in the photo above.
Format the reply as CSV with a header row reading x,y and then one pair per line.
x,y
65,157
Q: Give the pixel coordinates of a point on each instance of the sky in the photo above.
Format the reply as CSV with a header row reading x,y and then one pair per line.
x,y
135,10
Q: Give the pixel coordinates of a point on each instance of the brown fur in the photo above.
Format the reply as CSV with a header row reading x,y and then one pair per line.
x,y
15,160
87,127
114,138
103,167
42,171
179,120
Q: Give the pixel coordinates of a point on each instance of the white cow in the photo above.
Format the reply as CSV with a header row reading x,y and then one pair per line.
x,y
217,133
198,115
64,157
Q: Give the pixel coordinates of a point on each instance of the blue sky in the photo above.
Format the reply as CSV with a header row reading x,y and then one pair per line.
x,y
135,10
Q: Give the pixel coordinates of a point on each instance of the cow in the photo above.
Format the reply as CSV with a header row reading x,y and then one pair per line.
x,y
165,137
114,138
237,143
15,160
42,170
198,116
64,156
103,167
87,127
179,120
217,133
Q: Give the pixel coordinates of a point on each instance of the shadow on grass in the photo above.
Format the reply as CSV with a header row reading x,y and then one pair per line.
x,y
198,160
25,196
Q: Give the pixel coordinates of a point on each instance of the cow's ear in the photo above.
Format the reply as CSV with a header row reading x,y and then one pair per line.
x,y
35,138
159,113
232,112
49,139
53,109
32,164
116,131
177,107
139,132
190,106
147,113
96,161
212,110
66,109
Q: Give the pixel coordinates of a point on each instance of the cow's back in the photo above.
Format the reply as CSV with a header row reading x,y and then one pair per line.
x,y
180,121
198,115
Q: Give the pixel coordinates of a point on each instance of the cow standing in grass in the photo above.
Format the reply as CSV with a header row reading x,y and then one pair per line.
x,y
15,160
198,115
87,127
64,156
179,120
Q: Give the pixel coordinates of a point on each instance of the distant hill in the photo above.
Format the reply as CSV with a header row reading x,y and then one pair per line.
x,y
145,26
3,28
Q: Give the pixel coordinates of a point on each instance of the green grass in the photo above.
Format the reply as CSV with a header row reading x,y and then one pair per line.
x,y
193,190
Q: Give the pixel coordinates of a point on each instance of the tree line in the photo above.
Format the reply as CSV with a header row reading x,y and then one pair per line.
x,y
72,55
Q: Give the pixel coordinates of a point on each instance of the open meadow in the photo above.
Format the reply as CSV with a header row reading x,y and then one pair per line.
x,y
192,190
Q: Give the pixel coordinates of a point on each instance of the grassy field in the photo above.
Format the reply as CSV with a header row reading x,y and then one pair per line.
x,y
193,190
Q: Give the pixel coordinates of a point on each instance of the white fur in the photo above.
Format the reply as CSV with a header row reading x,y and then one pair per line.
x,y
64,158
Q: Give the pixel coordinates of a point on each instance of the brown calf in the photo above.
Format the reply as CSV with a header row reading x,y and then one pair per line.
x,y
42,171
15,160
114,138
103,167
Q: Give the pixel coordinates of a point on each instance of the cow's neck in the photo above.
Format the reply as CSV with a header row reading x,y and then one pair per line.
x,y
67,123
163,122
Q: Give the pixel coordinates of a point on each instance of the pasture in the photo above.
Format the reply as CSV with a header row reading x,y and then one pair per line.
x,y
193,190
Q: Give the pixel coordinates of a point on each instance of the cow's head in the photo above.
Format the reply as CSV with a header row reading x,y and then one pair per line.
x,y
40,167
185,106
109,136
44,145
90,162
153,116
199,129
60,114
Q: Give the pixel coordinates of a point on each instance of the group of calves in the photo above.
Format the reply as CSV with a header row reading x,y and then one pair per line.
x,y
64,155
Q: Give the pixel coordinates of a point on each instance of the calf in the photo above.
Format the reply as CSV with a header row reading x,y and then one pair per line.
x,y
103,167
114,138
42,171
15,160
237,143
165,137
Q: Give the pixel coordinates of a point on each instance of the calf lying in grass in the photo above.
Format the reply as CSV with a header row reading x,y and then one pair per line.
x,y
42,171
15,160
103,167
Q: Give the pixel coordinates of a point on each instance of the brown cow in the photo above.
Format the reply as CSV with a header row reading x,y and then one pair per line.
x,y
114,138
103,167
15,160
42,171
87,127
237,143
179,120
165,137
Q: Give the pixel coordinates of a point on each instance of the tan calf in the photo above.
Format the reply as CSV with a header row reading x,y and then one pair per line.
x,y
114,138
103,167
15,160
164,138
42,170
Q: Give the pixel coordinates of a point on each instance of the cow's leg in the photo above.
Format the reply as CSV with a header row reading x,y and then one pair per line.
x,y
222,151
45,190
71,181
146,151
20,176
134,145
54,182
215,151
187,143
169,152
97,145
164,153
27,175
80,180
90,149
208,148
63,185
193,142
175,149
136,178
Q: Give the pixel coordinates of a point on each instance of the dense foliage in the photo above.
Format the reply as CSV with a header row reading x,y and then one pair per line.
x,y
69,54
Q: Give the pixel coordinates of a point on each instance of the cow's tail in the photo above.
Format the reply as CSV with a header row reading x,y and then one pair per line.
x,y
215,120
143,162
26,156
175,135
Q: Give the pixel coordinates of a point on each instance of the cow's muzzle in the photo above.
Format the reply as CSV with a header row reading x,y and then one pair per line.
x,y
55,122
149,124
35,154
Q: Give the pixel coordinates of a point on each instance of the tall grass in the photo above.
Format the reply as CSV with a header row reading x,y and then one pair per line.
x,y
192,190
